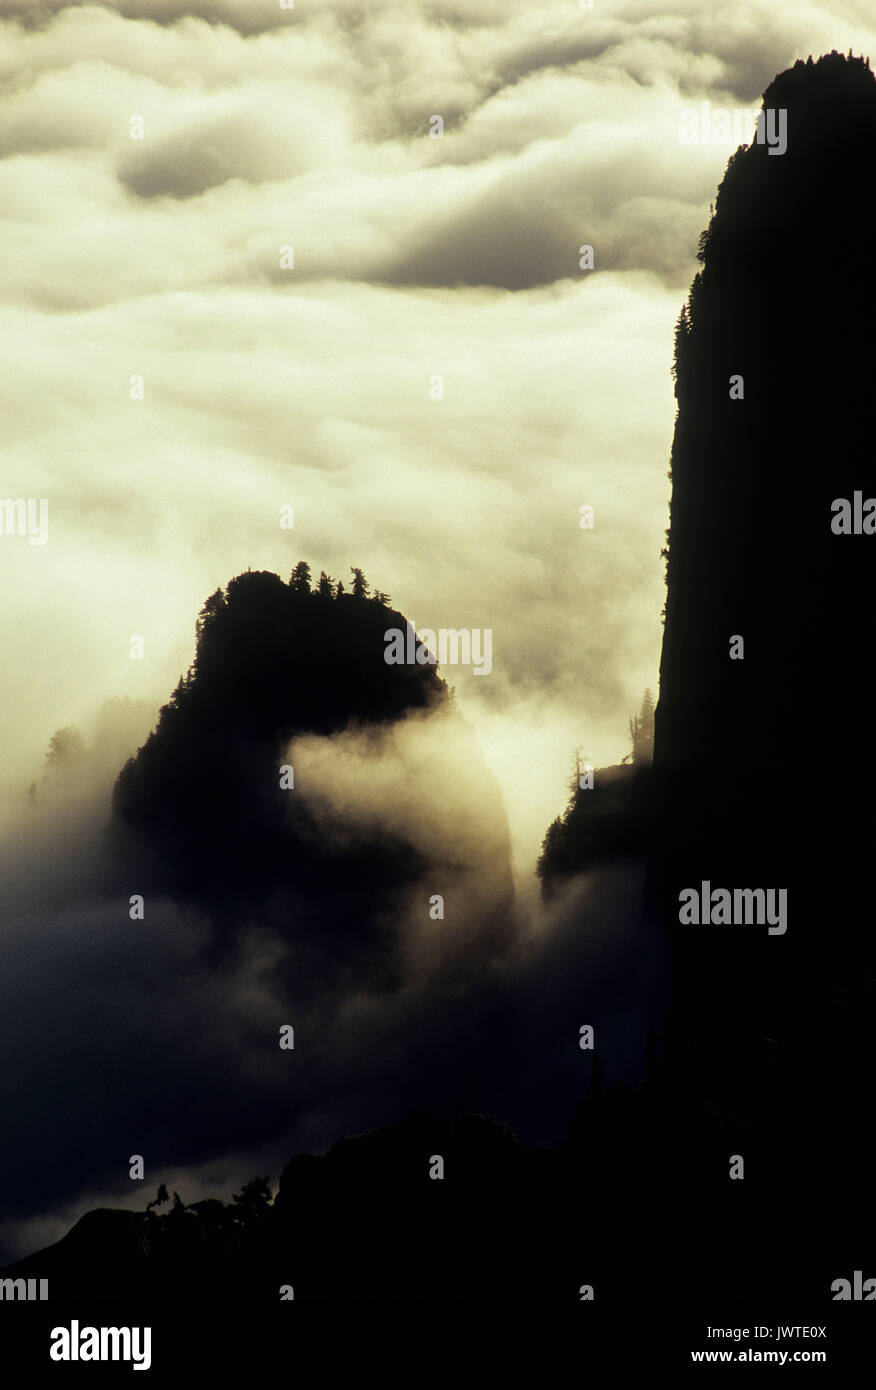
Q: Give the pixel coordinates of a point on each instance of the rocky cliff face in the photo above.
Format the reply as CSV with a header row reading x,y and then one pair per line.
x,y
768,746
207,814
759,748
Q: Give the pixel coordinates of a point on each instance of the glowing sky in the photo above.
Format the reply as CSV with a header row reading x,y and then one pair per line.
x,y
413,257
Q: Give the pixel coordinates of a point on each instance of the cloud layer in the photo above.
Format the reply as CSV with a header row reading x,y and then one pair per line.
x,y
311,383
287,293
125,1036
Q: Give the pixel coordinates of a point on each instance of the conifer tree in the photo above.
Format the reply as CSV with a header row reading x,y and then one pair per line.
x,y
360,583
299,580
642,731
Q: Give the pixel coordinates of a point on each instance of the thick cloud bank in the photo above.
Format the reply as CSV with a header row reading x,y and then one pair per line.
x,y
127,1037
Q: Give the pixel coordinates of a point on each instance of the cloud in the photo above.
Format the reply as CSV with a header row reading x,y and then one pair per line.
x,y
414,259
256,399
128,1037
422,783
246,16
244,140
561,127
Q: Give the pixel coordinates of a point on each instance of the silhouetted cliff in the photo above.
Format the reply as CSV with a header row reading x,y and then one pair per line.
x,y
609,814
766,1053
272,662
760,768
764,750
205,813
601,823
